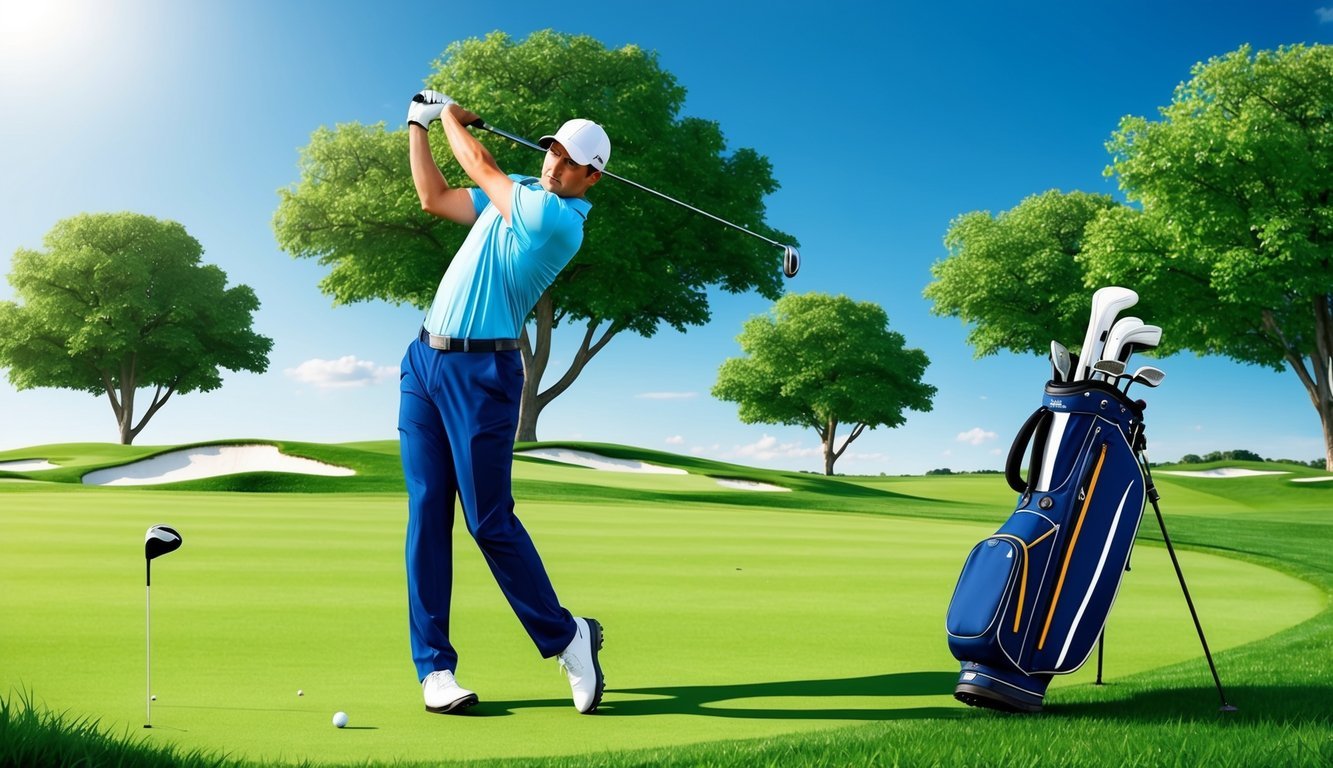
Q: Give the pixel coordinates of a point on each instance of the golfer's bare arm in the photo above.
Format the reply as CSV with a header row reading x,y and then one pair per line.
x,y
436,195
476,161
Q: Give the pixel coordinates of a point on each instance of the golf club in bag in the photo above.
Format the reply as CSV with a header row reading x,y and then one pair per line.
x,y
158,541
1032,600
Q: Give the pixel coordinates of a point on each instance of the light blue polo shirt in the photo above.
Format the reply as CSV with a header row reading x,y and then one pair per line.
x,y
501,269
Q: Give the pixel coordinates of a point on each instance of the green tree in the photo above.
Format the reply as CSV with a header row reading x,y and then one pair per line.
x,y
1228,239
121,301
822,361
1234,237
1014,276
643,263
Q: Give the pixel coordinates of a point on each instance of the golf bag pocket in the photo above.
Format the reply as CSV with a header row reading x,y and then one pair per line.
x,y
993,602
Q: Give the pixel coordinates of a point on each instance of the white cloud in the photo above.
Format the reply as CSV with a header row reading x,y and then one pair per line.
x,y
344,373
976,436
667,395
675,440
1325,15
768,447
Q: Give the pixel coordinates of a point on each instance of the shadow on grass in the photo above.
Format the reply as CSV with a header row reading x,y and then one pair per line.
x,y
819,699
1282,704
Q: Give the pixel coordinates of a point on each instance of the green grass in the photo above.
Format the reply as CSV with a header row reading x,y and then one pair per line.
x,y
744,628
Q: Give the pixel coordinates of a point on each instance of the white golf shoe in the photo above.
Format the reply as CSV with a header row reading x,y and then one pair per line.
x,y
579,662
443,693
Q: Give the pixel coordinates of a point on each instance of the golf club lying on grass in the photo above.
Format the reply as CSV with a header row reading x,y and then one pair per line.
x,y
160,540
791,258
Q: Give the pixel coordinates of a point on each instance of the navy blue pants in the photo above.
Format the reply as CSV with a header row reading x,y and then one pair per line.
x,y
456,420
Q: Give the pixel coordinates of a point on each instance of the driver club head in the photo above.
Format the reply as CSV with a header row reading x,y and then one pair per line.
x,y
160,540
791,261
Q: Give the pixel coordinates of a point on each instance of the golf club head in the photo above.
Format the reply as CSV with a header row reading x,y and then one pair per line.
x,y
1106,304
791,261
1139,339
1060,361
1149,375
1115,338
160,540
1109,368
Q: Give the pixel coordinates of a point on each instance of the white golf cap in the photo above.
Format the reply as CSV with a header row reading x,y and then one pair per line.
x,y
584,140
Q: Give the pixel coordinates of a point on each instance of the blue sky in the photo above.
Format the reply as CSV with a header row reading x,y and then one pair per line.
x,y
883,122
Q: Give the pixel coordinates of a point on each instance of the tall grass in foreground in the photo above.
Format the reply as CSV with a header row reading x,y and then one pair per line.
x,y
30,736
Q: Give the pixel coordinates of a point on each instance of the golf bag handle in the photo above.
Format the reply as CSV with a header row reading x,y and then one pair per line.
x,y
1016,451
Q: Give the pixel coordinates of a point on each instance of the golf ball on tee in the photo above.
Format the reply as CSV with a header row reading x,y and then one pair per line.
x,y
339,719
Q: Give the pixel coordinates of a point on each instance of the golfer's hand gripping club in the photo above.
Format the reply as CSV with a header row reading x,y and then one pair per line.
x,y
426,106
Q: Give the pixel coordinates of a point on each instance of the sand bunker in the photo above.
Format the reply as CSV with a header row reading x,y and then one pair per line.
x,y
1311,479
26,465
750,485
1223,472
595,461
210,461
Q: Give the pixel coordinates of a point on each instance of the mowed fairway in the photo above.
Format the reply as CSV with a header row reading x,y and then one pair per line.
x,y
729,615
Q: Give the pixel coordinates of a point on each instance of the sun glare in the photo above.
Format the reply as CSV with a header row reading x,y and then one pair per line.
x,y
40,32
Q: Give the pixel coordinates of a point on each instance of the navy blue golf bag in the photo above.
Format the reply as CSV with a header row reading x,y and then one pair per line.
x,y
1033,598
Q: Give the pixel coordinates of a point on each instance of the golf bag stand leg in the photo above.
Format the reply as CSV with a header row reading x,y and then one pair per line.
x,y
1171,550
1101,646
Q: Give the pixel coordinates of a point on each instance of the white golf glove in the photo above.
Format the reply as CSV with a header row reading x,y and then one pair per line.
x,y
426,107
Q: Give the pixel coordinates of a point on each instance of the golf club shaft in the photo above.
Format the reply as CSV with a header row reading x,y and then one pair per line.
x,y
148,641
519,140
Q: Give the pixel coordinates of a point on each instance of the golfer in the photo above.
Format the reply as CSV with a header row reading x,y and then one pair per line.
x,y
462,379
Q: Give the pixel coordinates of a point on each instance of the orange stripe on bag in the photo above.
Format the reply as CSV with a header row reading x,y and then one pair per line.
x,y
1023,587
1069,553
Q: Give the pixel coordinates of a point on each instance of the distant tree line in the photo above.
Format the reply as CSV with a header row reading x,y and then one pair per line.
x,y
1244,455
1240,454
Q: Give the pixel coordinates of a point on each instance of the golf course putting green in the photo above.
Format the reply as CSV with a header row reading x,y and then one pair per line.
x,y
724,620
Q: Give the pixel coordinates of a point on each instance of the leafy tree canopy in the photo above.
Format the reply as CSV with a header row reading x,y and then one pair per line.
x,y
644,262
121,301
819,361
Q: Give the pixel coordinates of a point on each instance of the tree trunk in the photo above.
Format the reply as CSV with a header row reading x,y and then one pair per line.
x,y
1318,379
126,415
828,434
123,405
536,356
1326,417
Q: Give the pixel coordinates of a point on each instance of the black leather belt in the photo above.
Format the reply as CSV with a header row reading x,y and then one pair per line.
x,y
451,344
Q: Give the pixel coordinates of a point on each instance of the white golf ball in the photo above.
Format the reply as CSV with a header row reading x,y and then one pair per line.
x,y
153,697
339,719
300,693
